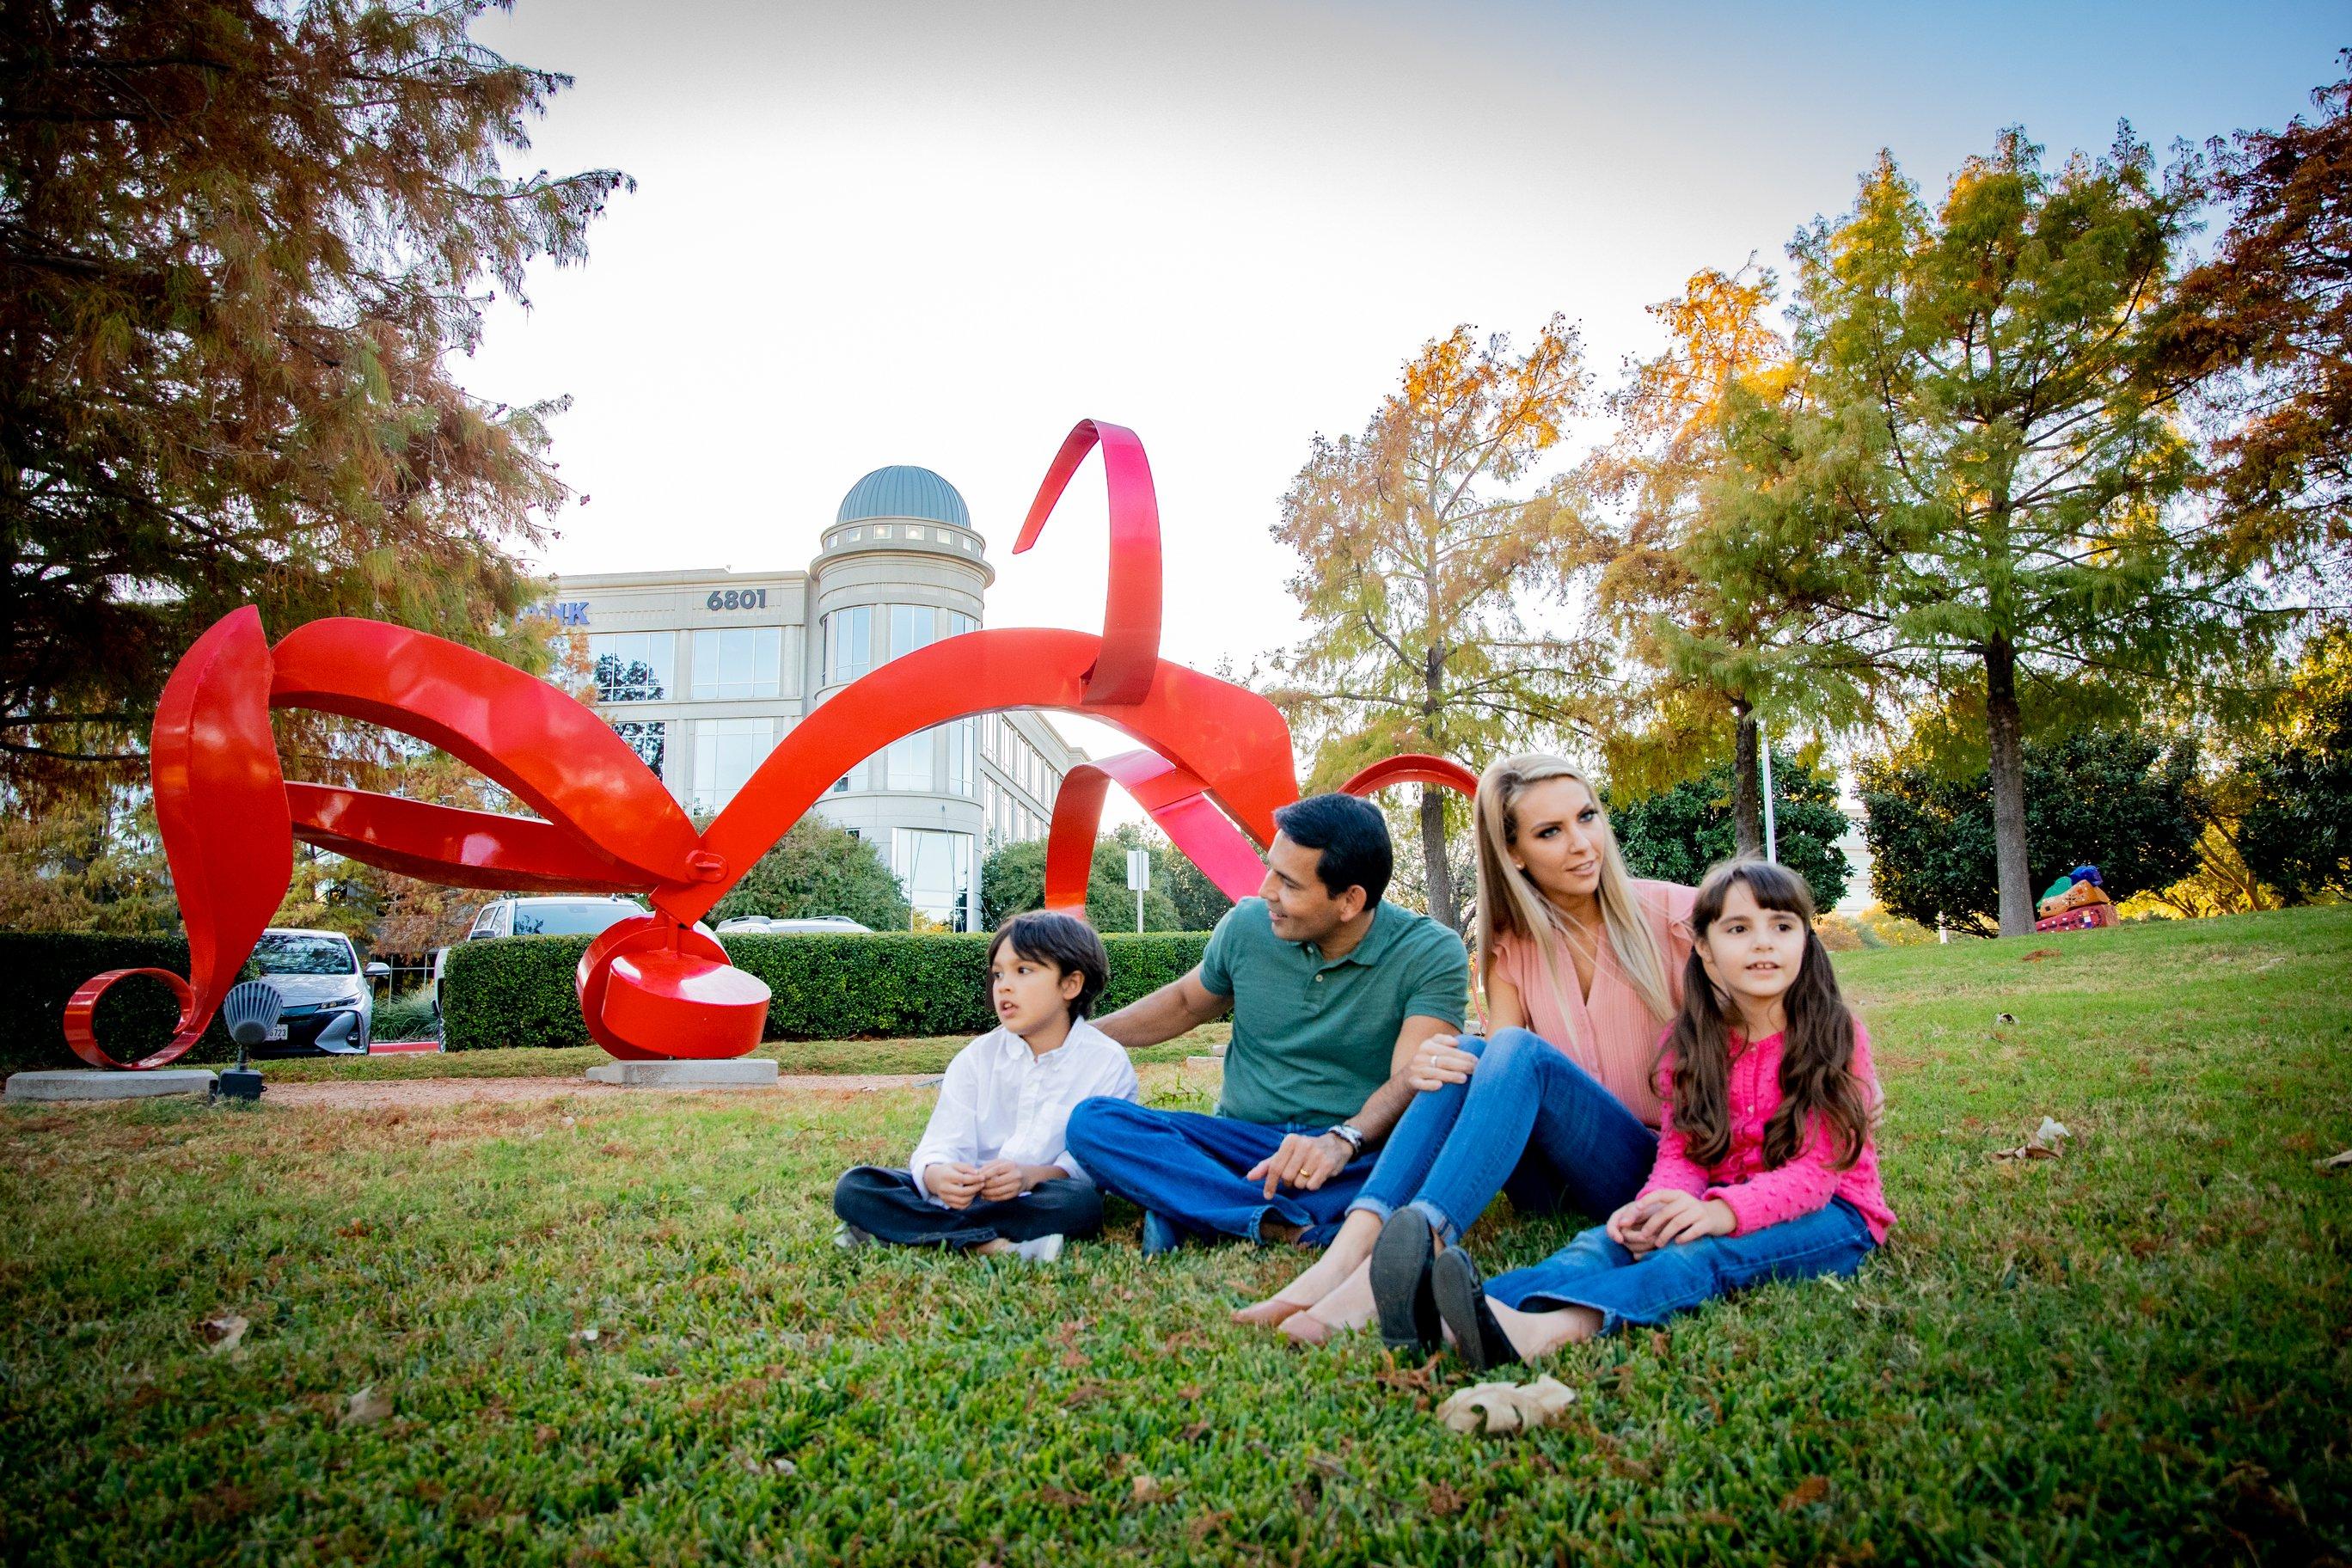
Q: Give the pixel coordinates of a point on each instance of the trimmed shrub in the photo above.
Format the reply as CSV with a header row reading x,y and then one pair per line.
x,y
518,991
39,972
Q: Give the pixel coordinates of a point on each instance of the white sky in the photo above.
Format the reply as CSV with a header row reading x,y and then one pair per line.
x,y
940,233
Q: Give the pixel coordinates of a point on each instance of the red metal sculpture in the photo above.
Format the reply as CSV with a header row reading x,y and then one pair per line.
x,y
658,985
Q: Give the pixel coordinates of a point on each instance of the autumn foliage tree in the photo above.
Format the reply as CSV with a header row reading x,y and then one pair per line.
x,y
1727,582
1418,572
238,240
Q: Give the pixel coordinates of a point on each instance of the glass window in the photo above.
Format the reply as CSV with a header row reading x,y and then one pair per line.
x,y
589,917
912,626
849,643
934,868
279,952
957,623
964,766
727,752
648,738
881,531
909,764
632,666
738,661
855,534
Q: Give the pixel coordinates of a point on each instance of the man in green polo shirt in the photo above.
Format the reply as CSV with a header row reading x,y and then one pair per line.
x,y
1331,990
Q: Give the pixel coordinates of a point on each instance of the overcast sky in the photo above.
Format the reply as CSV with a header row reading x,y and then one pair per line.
x,y
877,233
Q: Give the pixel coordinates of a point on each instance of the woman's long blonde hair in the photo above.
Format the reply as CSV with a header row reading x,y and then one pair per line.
x,y
1511,905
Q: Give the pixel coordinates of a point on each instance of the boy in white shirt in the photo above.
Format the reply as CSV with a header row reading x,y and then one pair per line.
x,y
992,1172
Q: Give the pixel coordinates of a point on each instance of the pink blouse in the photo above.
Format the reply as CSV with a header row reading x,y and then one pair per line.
x,y
1759,1197
1609,1034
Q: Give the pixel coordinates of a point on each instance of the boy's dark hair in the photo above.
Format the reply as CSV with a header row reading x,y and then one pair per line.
x,y
1353,837
1069,945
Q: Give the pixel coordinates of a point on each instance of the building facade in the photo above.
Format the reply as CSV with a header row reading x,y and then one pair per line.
x,y
703,672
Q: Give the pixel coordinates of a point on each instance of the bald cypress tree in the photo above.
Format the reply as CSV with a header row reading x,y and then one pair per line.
x,y
238,240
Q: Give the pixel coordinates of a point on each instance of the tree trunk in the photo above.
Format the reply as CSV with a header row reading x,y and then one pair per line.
x,y
2004,737
1439,871
1747,797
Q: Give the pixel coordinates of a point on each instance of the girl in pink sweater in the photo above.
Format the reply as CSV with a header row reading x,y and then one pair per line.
x,y
1766,1168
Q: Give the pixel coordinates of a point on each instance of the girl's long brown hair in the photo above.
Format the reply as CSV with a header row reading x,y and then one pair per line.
x,y
1816,1053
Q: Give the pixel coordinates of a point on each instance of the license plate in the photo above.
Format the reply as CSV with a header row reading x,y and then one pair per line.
x,y
276,1032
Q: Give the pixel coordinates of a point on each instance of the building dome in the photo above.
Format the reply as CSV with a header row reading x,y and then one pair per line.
x,y
903,490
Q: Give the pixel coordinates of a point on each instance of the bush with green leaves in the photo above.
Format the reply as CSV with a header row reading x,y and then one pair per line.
x,y
518,991
2295,831
2118,799
819,869
1013,879
1676,834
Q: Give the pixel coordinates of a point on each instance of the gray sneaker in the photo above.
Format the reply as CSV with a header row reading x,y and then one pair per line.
x,y
1043,1249
849,1238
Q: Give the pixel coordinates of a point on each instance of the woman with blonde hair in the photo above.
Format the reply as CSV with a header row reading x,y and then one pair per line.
x,y
1583,966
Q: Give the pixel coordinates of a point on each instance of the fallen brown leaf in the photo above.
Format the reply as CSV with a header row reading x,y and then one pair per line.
x,y
2039,953
223,1333
1500,1407
1206,1524
1085,1393
1148,1488
365,1408
1809,1491
1059,1497
1441,1498
1195,1433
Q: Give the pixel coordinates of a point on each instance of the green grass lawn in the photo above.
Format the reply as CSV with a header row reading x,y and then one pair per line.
x,y
2139,1352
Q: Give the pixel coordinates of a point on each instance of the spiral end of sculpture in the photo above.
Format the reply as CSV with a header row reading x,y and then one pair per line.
x,y
654,990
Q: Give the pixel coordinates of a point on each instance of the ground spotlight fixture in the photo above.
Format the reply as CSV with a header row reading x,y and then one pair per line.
x,y
251,1011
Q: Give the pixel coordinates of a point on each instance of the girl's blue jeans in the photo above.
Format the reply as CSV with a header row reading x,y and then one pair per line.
x,y
1530,1122
1596,1272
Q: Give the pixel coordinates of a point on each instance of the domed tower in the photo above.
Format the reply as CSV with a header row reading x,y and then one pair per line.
x,y
901,567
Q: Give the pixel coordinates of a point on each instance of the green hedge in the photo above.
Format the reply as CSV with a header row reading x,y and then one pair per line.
x,y
40,971
518,991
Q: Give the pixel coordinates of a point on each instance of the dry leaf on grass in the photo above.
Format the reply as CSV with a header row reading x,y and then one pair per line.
x,y
1150,1489
224,1332
2001,1018
1506,1406
2039,953
2042,1145
1809,1491
588,1336
2342,1161
367,1407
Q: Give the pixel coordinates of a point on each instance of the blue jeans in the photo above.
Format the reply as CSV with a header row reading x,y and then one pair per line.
x,y
1530,1122
1594,1271
887,1203
1187,1169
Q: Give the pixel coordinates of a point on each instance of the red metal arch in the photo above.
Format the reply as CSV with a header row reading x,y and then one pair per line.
x,y
1176,799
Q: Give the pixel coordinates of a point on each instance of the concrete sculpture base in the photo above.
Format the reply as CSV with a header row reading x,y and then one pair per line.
x,y
733,1072
106,1084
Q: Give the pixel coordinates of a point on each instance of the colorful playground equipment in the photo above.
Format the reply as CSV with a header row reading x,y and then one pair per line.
x,y
1215,766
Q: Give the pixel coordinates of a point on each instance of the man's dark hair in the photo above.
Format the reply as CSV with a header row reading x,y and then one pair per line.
x,y
1353,837
1070,945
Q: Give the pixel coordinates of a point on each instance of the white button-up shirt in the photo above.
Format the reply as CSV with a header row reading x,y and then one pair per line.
x,y
1000,1100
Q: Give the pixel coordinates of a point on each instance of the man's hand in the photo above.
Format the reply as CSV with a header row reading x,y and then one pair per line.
x,y
1438,1061
1000,1180
1305,1161
955,1185
1677,1216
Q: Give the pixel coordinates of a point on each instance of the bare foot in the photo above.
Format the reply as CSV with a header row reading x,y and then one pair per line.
x,y
991,1249
1540,1333
1349,1305
1346,1254
1305,1328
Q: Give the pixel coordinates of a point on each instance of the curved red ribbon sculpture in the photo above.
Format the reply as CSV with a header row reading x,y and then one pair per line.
x,y
1217,767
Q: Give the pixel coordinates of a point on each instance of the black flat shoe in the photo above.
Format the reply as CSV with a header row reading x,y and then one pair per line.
x,y
1401,1283
1461,1293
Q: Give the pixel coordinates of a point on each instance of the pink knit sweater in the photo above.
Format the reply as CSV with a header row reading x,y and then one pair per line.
x,y
1756,1197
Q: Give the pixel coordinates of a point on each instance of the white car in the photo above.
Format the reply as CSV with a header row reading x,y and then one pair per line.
x,y
329,999
553,914
769,925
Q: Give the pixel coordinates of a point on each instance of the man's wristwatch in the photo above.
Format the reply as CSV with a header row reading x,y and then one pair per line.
x,y
1350,1135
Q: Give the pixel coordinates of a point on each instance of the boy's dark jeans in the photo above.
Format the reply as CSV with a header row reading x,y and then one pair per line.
x,y
888,1205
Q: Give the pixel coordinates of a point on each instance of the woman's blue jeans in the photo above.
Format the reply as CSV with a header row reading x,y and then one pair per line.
x,y
1596,1272
1530,1123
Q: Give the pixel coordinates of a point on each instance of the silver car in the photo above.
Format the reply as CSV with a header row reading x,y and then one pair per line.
x,y
547,914
330,998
